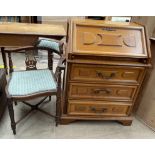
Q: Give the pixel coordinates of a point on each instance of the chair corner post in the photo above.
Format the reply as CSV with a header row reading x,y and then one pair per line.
x,y
11,113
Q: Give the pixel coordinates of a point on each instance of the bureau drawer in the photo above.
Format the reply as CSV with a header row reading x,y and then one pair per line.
x,y
106,73
98,108
109,40
101,91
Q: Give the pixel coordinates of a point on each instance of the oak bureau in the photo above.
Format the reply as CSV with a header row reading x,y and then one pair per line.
x,y
106,65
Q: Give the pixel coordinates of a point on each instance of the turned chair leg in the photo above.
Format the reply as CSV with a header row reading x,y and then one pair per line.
x,y
57,119
11,113
57,115
57,112
15,103
58,97
4,59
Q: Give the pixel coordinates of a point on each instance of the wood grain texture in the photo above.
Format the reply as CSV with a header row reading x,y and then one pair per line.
x,y
84,72
101,91
107,38
102,108
32,29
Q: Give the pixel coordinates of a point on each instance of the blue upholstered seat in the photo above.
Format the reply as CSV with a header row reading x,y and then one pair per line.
x,y
48,43
31,82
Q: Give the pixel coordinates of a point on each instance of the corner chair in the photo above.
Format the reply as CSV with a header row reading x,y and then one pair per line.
x,y
32,83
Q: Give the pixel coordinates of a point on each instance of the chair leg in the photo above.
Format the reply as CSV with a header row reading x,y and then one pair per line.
x,y
49,98
56,121
4,59
56,118
15,103
11,113
58,102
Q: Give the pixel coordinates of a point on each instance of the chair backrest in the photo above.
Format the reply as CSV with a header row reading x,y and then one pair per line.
x,y
46,45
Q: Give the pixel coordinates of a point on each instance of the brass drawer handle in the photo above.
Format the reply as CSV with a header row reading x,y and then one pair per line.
x,y
106,91
94,109
103,76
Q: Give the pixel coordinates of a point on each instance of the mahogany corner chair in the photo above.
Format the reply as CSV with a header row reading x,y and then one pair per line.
x,y
32,83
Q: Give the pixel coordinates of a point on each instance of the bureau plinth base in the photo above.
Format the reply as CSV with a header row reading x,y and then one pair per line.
x,y
126,121
66,121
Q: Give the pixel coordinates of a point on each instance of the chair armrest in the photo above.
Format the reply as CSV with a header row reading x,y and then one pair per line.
x,y
50,44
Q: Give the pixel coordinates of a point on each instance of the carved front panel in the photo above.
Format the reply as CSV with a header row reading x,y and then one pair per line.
x,y
108,40
99,92
105,108
104,73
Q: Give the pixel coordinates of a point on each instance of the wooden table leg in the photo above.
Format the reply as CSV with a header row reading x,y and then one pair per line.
x,y
4,59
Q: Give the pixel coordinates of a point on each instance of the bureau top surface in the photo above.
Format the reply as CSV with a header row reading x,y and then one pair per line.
x,y
106,23
32,29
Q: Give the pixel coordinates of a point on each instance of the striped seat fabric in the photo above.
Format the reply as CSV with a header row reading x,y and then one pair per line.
x,y
24,83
